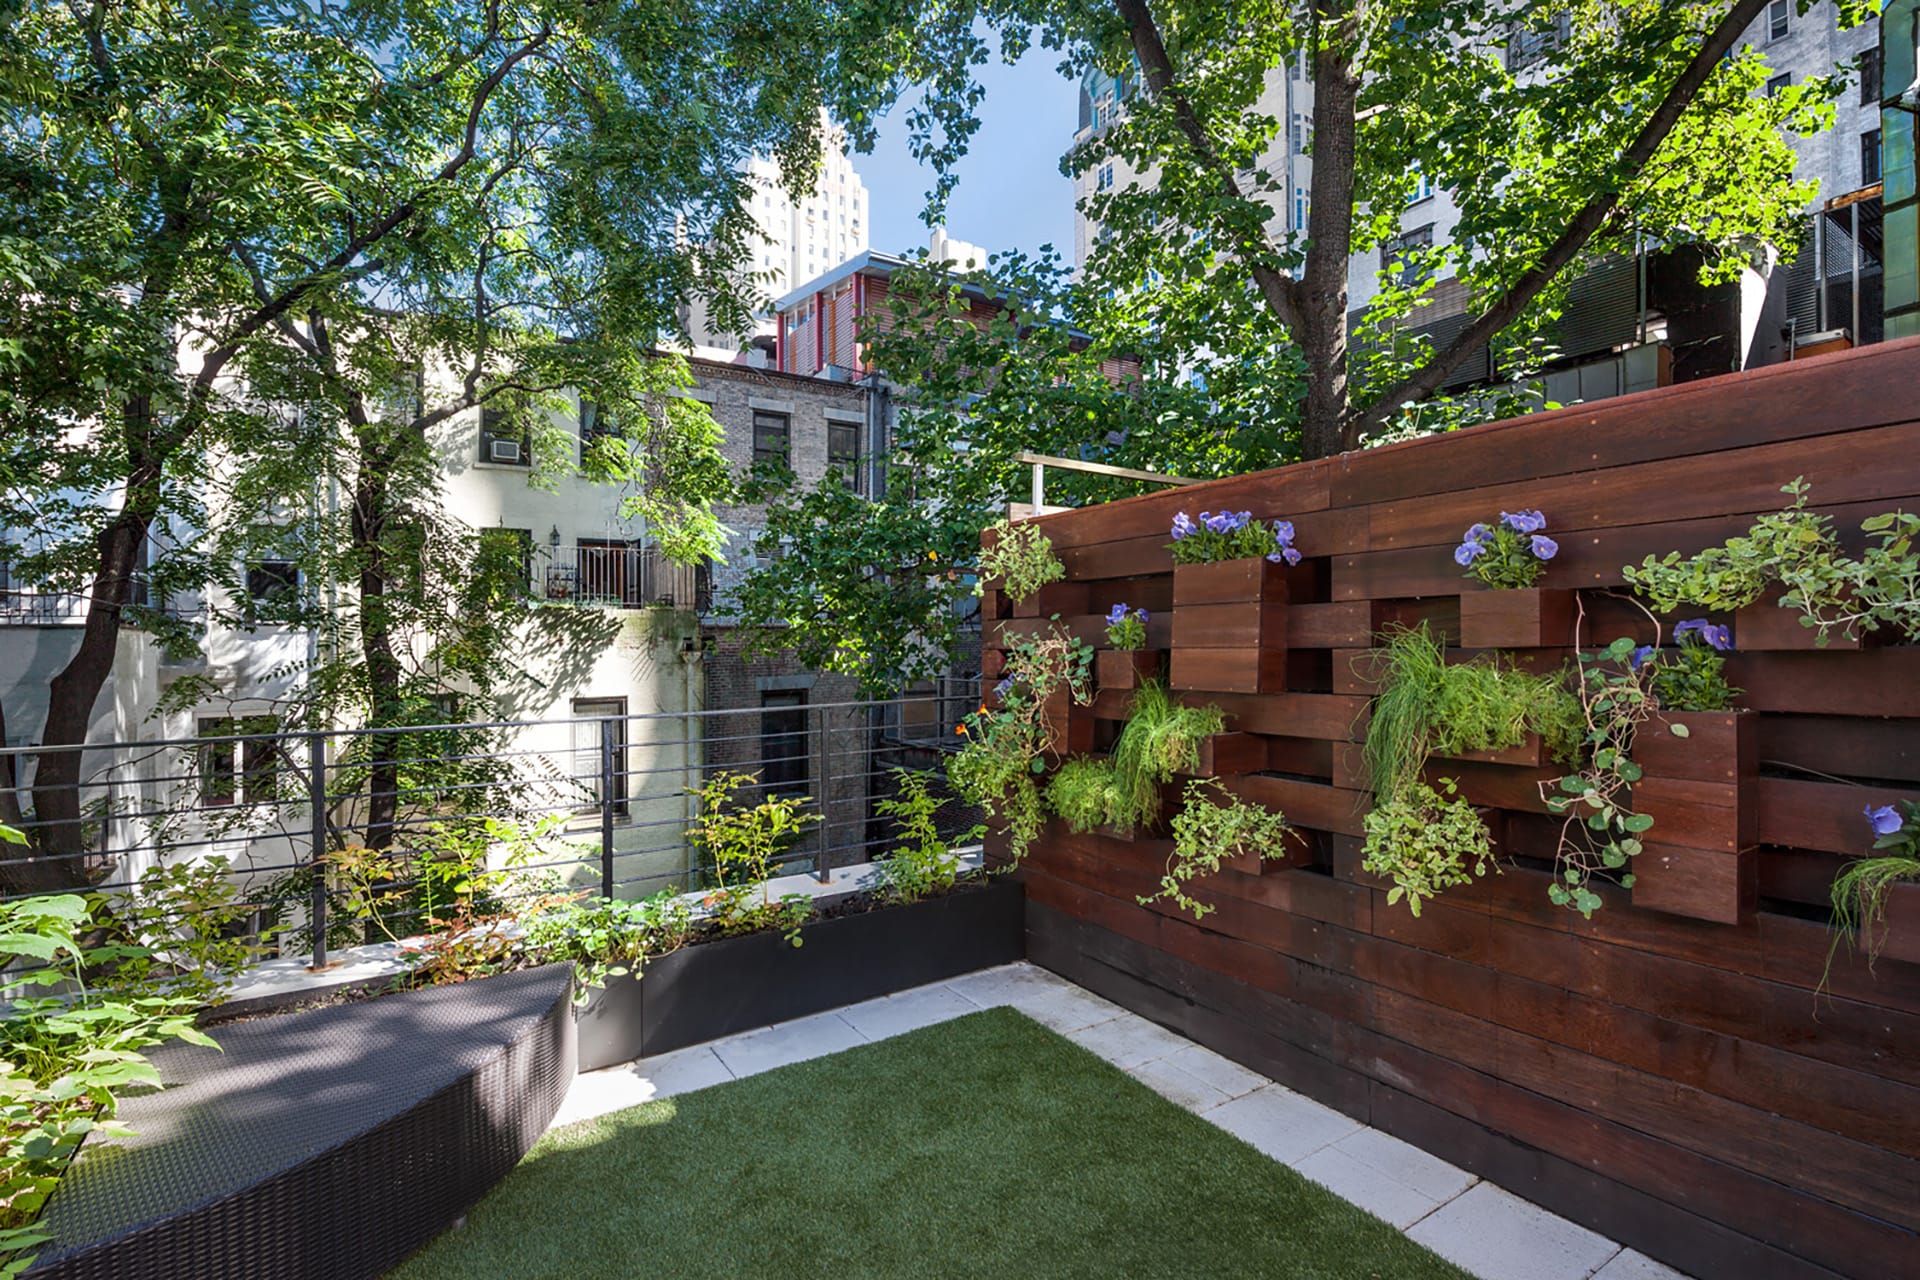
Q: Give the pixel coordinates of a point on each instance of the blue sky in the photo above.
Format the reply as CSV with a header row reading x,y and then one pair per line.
x,y
1011,194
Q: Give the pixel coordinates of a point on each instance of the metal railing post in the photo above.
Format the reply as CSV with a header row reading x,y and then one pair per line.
x,y
820,869
606,808
317,854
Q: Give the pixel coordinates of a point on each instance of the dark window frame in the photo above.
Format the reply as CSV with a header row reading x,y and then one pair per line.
x,y
1870,77
1872,168
837,456
237,773
516,429
775,425
1401,271
786,761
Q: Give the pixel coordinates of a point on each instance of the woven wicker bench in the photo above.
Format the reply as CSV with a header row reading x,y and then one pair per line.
x,y
328,1144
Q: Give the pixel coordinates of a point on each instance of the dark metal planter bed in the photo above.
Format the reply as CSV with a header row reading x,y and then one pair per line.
x,y
326,1144
716,989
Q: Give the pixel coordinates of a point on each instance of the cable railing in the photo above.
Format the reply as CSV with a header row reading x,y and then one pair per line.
x,y
619,574
607,805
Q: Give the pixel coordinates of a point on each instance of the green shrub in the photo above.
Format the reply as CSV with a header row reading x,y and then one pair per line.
x,y
740,843
606,937
923,863
1426,842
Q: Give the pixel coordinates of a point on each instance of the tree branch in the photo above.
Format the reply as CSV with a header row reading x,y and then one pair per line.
x,y
1588,221
1277,289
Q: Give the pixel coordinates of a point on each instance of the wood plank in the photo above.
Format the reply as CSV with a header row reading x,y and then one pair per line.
x,y
1778,403
1847,746
1826,816
1705,884
1306,804
1877,682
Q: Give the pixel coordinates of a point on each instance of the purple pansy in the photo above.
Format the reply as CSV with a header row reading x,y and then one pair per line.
x,y
1000,690
1643,655
1183,525
1719,637
1140,614
1480,533
1886,819
1283,531
1523,521
1292,554
1117,616
1467,552
1544,548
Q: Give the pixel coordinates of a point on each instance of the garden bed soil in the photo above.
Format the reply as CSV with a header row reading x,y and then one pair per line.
x,y
855,948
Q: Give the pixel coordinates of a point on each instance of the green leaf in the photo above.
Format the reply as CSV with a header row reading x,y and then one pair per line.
x,y
1679,730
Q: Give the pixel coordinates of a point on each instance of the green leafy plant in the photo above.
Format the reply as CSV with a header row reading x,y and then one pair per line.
x,y
1860,891
923,862
1798,551
607,937
1692,676
1021,557
1600,829
1161,739
1127,628
184,923
1213,827
1085,793
1509,554
1429,707
740,844
1003,756
66,1058
1426,842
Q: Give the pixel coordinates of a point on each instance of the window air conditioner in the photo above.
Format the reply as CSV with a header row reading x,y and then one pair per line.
x,y
503,451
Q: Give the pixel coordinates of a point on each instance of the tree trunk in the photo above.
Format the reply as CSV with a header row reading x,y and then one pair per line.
x,y
370,516
1323,284
58,837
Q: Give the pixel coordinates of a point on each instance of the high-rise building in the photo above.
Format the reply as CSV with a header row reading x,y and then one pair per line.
x,y
800,237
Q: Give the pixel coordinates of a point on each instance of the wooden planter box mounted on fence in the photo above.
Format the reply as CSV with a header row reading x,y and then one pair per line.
x,y
1699,859
1069,725
1064,598
1127,668
1517,618
1230,626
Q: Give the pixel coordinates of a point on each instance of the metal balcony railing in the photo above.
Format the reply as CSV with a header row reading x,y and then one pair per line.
x,y
623,575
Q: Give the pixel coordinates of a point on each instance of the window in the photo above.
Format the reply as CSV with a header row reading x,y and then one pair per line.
x,y
590,715
1300,208
843,452
504,438
1870,77
1778,15
1869,158
1301,133
1401,259
221,783
272,581
1776,83
403,399
771,433
783,741
1422,187
595,424
1527,45
1105,179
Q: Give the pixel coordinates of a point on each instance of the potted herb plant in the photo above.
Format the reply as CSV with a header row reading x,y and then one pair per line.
x,y
1876,897
1127,662
1022,577
1216,829
1230,601
1509,557
1699,760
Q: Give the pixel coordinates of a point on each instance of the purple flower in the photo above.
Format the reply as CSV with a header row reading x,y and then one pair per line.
x,y
1000,690
1480,533
1220,523
1467,552
1283,531
1643,655
1886,820
1141,614
1183,525
1117,616
1291,554
1524,521
1719,637
1545,548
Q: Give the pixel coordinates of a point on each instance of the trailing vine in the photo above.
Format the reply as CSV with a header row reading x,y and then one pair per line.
x,y
1600,830
1021,557
1209,832
998,767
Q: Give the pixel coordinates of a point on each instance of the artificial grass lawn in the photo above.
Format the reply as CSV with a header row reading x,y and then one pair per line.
x,y
986,1146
